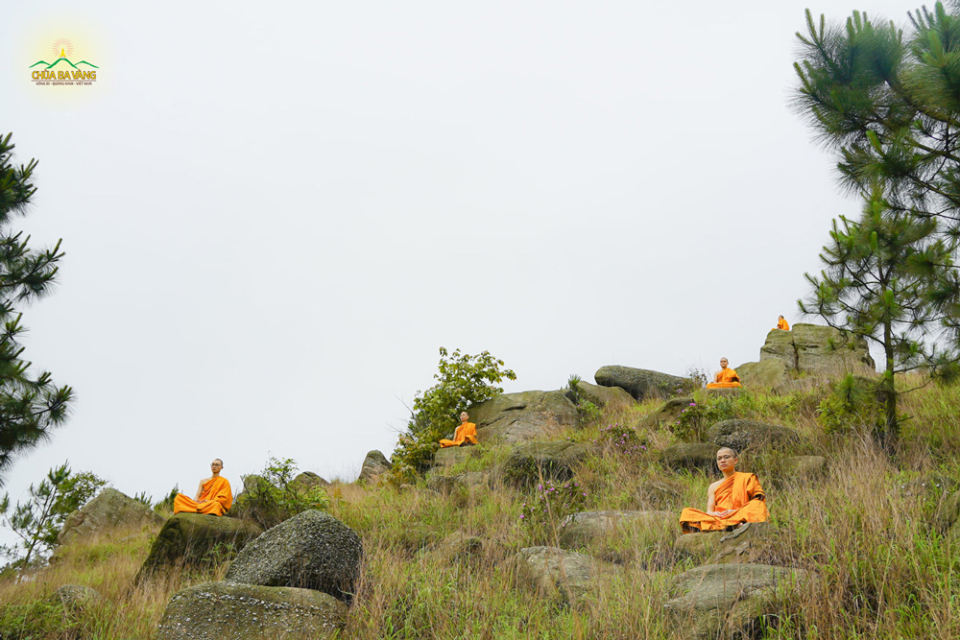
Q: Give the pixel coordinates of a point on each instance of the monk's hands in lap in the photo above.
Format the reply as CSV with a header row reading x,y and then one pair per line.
x,y
721,514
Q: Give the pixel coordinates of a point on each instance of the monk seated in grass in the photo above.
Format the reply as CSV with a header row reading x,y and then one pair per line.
x,y
466,433
726,378
781,325
731,502
213,495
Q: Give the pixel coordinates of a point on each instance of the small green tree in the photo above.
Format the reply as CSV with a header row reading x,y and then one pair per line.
x,y
30,405
890,278
462,381
274,496
38,521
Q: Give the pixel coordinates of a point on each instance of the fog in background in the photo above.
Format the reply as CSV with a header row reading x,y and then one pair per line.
x,y
274,215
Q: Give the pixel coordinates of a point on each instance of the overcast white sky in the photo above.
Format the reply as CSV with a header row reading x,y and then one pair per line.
x,y
274,214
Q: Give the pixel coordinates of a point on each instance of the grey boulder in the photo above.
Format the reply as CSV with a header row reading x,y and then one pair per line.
x,y
519,417
641,383
109,510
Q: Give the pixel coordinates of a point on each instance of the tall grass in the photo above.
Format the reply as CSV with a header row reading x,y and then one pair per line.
x,y
882,569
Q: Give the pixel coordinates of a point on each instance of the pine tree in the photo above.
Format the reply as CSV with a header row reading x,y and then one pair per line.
x,y
30,404
890,278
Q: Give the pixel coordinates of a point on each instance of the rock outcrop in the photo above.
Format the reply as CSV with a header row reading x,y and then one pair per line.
x,y
580,529
225,611
374,465
808,349
730,599
554,572
520,417
699,456
109,510
607,397
195,539
308,480
557,460
312,550
641,383
743,434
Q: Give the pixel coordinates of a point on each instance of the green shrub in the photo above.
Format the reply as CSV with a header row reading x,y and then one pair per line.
x,y
273,498
38,619
852,405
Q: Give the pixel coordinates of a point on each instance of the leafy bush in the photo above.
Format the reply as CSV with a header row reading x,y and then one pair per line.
x,y
462,381
550,504
274,497
588,412
853,404
694,419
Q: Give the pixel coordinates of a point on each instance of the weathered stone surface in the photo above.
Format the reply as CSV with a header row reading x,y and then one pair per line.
x,y
75,597
451,456
551,460
197,539
109,510
580,529
729,599
750,543
669,412
766,374
697,545
815,349
311,550
553,571
519,417
374,465
700,456
308,480
641,383
743,434
801,469
225,611
608,397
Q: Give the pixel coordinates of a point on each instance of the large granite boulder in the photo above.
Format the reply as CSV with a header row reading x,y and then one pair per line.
x,y
693,456
743,434
608,397
641,383
225,611
810,349
451,456
580,529
731,600
519,417
374,465
312,550
109,510
554,572
197,539
308,480
556,460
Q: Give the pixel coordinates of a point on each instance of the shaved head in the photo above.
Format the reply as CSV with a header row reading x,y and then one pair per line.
x,y
732,452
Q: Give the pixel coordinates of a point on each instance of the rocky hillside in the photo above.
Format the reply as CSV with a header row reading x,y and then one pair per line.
x,y
563,522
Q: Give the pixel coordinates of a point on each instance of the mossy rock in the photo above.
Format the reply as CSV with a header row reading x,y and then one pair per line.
x,y
375,464
581,529
611,398
669,412
510,418
196,539
641,383
109,510
306,481
766,374
224,611
741,435
693,456
556,460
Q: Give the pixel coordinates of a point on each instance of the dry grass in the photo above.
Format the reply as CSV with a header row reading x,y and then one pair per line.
x,y
883,570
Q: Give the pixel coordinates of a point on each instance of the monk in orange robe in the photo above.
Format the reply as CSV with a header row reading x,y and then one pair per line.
x,y
213,495
725,378
465,433
782,325
736,499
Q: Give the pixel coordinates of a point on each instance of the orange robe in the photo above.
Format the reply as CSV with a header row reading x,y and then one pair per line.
x,y
741,491
782,325
725,379
466,432
216,490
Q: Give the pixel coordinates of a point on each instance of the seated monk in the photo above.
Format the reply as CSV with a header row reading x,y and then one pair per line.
x,y
465,433
781,325
736,499
725,378
213,495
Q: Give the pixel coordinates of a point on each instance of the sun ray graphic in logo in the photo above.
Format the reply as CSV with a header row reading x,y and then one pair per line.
x,y
62,70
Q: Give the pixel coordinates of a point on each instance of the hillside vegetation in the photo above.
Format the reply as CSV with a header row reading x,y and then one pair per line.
x,y
439,561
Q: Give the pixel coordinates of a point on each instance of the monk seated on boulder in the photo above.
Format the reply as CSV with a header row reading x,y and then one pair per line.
x,y
213,495
726,378
465,434
781,325
736,499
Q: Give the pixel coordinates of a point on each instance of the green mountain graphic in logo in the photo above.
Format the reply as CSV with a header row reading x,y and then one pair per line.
x,y
63,58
